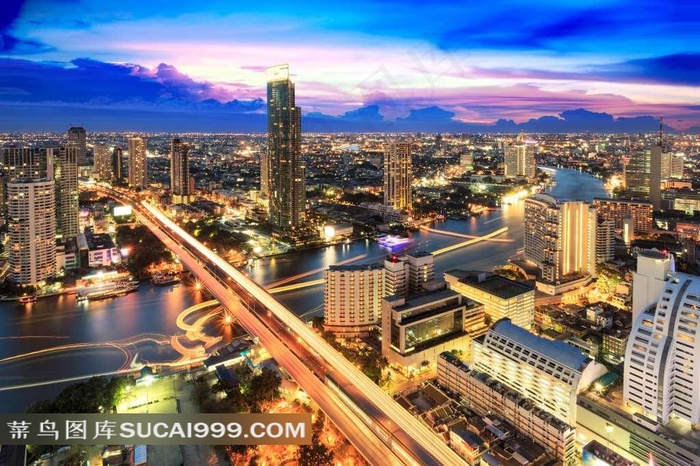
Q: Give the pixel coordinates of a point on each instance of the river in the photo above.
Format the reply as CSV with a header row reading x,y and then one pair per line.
x,y
117,329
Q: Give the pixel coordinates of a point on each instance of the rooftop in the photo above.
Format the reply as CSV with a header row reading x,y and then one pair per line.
x,y
493,284
355,267
556,350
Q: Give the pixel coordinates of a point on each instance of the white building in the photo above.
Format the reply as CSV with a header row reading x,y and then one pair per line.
x,y
421,269
548,373
31,218
352,298
653,268
662,363
502,298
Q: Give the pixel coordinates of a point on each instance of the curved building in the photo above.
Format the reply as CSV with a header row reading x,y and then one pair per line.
x,y
662,364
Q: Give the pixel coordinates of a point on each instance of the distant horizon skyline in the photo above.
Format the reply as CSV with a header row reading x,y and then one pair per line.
x,y
367,66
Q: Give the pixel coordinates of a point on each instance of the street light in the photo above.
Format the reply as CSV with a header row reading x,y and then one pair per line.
x,y
608,431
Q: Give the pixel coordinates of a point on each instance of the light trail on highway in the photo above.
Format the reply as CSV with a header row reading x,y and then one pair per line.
x,y
423,444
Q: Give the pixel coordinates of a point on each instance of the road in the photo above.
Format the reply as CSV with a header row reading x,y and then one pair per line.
x,y
377,425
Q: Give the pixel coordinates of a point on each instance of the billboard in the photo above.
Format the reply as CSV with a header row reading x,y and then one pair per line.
x,y
122,210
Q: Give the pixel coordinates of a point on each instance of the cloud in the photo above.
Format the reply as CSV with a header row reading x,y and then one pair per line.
x,y
682,68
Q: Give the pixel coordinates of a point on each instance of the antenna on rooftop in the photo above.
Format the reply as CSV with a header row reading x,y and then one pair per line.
x,y
661,130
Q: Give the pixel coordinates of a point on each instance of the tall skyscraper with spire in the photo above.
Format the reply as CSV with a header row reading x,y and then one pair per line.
x,y
283,170
655,171
180,172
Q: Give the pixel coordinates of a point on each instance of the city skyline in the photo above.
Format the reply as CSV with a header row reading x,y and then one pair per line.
x,y
506,68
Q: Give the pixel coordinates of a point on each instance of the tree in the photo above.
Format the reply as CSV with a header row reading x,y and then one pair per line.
x,y
316,454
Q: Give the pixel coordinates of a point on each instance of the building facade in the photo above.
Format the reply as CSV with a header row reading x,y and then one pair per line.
x,y
617,209
284,169
653,269
31,222
662,364
138,163
66,181
398,176
500,296
352,298
77,139
117,165
180,172
519,159
558,238
102,167
548,373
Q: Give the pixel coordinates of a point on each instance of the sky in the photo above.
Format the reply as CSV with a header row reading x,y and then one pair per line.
x,y
366,65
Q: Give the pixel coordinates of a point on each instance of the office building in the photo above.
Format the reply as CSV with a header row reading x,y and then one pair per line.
x,y
398,176
66,181
519,159
617,209
102,167
653,269
638,174
548,373
31,218
284,170
500,296
117,166
180,172
487,396
662,369
352,298
138,163
558,240
418,328
77,138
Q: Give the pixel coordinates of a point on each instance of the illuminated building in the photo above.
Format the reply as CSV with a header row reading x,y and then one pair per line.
x,y
103,162
421,269
500,296
662,369
653,269
559,239
117,165
638,174
352,298
138,163
395,276
398,176
486,395
180,172
66,181
77,139
283,167
519,159
31,213
655,174
548,373
604,239
617,209
419,328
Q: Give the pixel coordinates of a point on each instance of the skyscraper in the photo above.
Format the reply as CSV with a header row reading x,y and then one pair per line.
x,y
656,169
31,213
117,165
662,370
558,238
180,172
284,169
66,182
138,172
77,138
519,159
102,167
638,174
398,175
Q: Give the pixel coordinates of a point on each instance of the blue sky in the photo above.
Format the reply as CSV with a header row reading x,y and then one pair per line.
x,y
367,65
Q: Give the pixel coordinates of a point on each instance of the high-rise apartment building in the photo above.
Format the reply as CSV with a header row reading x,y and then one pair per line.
x,y
352,298
284,169
77,138
180,172
519,159
662,368
405,275
604,238
500,296
558,238
617,209
138,163
31,218
66,181
117,165
398,176
102,167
